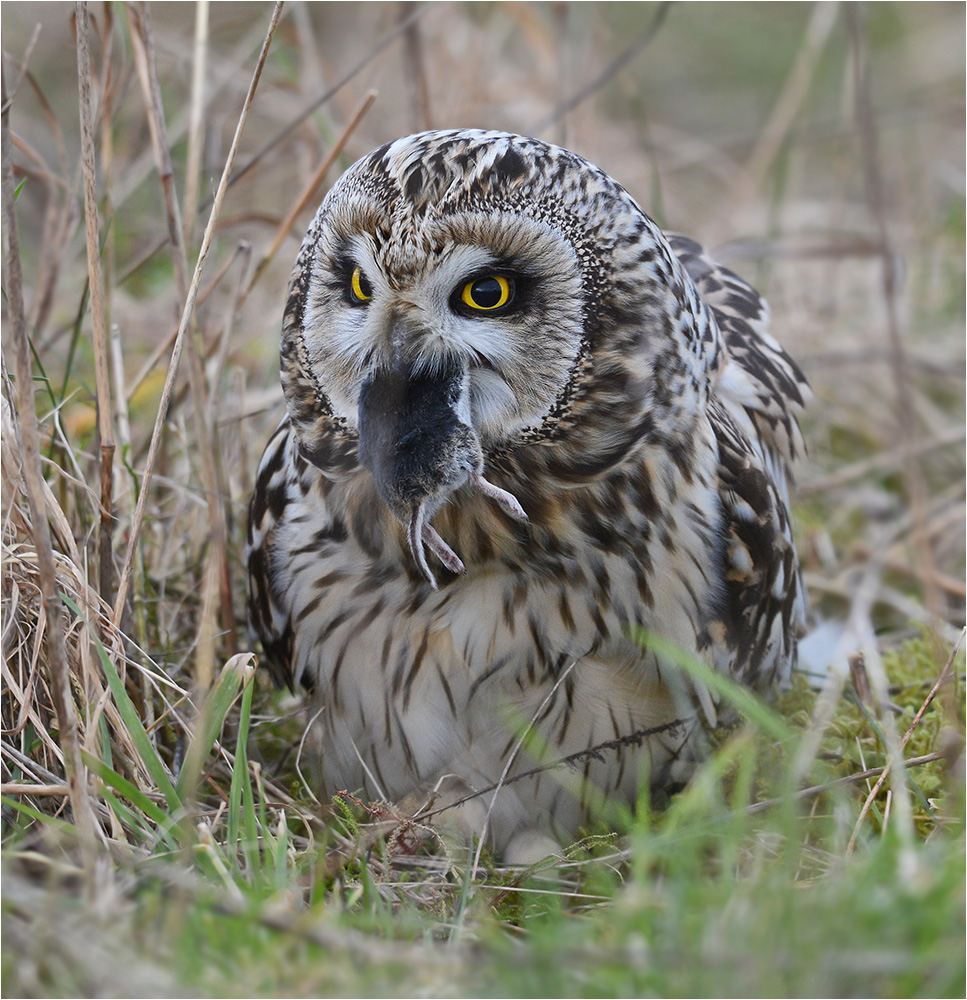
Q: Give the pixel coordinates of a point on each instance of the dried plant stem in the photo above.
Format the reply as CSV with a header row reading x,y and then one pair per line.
x,y
217,365
896,759
882,462
199,67
608,73
165,345
502,780
60,685
203,252
564,61
256,158
60,217
24,63
216,566
415,73
361,64
310,189
143,46
907,428
850,779
120,395
105,423
784,112
25,788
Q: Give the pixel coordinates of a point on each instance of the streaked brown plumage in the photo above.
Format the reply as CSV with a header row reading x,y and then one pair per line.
x,y
523,425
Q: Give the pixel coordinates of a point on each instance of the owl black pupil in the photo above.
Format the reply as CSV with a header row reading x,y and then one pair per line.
x,y
486,292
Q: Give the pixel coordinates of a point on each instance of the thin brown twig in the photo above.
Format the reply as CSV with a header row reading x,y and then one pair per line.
x,y
288,129
220,355
58,223
415,73
314,106
142,41
895,559
206,244
24,63
595,752
880,463
165,345
850,779
783,115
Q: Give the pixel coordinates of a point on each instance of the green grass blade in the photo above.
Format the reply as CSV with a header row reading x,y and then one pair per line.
x,y
211,720
28,810
132,720
167,825
738,696
241,803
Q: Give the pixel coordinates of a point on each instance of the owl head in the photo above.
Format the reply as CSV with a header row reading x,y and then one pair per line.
x,y
468,301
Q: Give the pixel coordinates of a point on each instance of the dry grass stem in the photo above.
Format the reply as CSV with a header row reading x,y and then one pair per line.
x,y
607,74
215,575
34,484
166,342
206,243
309,192
882,462
324,98
782,119
217,365
105,422
22,66
60,217
415,74
813,791
22,788
196,113
143,45
907,419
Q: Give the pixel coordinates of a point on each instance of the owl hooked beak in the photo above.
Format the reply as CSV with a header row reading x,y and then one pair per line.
x,y
416,440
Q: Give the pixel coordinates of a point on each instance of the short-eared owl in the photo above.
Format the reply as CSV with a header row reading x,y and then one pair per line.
x,y
526,429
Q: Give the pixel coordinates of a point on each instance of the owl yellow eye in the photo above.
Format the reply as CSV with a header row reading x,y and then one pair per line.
x,y
361,290
486,294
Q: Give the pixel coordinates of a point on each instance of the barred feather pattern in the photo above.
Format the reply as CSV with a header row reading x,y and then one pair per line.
x,y
472,519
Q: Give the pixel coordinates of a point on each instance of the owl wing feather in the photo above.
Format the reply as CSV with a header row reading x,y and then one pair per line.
x,y
753,411
269,619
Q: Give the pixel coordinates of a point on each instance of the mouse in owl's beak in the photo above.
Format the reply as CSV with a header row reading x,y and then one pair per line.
x,y
416,440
